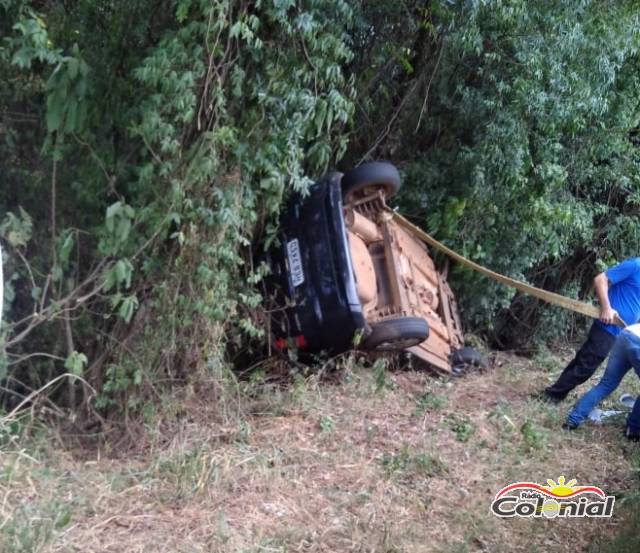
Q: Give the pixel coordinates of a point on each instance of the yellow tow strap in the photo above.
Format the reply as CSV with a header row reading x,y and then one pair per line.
x,y
551,297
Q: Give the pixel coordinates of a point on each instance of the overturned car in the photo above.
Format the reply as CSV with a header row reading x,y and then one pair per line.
x,y
344,275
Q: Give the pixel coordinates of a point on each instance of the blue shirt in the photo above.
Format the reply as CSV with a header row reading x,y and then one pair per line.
x,y
624,293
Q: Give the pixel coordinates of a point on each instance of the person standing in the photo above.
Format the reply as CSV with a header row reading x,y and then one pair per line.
x,y
625,355
618,292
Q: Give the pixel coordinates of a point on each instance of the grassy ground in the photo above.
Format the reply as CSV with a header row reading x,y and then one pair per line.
x,y
372,462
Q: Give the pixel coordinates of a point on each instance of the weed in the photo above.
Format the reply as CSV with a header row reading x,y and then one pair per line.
x,y
430,465
429,402
326,423
244,431
405,463
502,418
461,426
533,435
32,526
301,392
634,460
380,376
547,361
35,497
189,472
398,462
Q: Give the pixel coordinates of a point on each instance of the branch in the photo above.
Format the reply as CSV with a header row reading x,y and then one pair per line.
x,y
426,96
59,308
9,416
387,130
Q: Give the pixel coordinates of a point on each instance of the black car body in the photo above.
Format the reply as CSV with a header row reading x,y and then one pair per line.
x,y
312,274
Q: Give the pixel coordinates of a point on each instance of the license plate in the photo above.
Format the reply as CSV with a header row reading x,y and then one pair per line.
x,y
295,262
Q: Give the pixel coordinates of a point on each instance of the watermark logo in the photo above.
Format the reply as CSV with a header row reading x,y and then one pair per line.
x,y
558,499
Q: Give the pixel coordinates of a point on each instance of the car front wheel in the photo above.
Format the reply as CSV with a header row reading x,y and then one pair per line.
x,y
396,334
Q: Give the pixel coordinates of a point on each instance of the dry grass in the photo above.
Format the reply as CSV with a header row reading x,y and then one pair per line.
x,y
321,467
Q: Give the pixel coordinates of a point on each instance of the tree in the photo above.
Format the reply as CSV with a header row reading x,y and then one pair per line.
x,y
516,122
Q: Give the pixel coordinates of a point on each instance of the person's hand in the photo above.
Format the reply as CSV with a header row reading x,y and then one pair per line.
x,y
608,315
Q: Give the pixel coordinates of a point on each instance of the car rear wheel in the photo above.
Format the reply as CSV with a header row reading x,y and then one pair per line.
x,y
397,334
368,178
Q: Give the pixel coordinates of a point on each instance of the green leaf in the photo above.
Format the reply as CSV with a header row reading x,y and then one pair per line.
x,y
66,246
112,211
72,68
128,307
122,231
75,363
182,10
17,229
63,519
56,273
123,271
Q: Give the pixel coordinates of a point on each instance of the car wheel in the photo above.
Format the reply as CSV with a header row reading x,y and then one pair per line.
x,y
368,178
397,334
465,357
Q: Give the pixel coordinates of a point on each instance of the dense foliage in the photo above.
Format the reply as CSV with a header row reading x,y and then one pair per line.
x,y
146,148
142,155
517,123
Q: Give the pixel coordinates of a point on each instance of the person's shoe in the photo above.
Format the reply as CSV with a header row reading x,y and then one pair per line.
x,y
546,397
568,425
631,436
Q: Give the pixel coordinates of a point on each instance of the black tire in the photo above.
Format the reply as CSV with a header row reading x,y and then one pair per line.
x,y
469,357
373,175
396,334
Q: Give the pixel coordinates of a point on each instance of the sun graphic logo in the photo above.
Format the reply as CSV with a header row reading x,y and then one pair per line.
x,y
557,499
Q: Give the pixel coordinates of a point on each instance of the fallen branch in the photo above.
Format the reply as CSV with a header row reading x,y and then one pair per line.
x,y
11,415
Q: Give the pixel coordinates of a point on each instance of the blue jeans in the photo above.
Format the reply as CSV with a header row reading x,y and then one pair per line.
x,y
624,355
